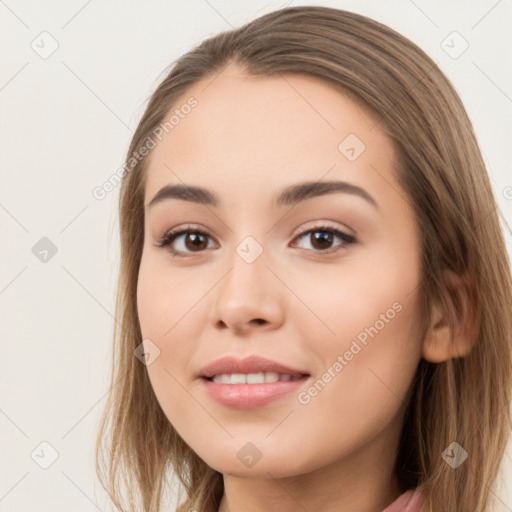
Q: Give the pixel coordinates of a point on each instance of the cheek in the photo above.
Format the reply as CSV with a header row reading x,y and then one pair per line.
x,y
164,298
167,307
363,385
376,288
376,349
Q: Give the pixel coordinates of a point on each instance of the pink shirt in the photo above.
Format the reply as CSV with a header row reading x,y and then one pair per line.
x,y
409,501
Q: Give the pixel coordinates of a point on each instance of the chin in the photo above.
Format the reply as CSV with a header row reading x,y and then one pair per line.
x,y
273,466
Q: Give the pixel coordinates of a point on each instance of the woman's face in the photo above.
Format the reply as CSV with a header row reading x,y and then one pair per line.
x,y
324,281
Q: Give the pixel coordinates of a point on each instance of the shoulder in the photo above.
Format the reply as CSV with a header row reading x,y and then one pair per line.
x,y
409,501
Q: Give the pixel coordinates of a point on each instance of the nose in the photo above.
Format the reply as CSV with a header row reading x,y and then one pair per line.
x,y
248,297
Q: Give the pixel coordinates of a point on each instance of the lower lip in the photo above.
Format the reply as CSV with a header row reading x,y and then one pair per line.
x,y
249,396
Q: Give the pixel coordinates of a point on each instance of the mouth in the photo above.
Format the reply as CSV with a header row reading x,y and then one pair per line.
x,y
250,382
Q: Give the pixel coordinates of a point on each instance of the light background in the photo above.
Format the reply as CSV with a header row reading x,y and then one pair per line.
x,y
65,125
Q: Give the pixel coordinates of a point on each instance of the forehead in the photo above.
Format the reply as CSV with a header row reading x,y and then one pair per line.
x,y
249,134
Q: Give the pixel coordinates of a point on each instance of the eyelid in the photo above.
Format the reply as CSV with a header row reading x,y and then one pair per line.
x,y
323,224
187,227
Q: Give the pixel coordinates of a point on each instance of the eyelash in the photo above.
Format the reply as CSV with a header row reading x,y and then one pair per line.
x,y
171,236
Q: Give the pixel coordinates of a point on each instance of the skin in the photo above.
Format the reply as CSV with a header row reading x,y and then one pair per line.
x,y
248,138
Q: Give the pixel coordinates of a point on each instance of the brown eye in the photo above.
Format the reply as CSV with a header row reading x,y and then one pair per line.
x,y
322,238
195,241
185,241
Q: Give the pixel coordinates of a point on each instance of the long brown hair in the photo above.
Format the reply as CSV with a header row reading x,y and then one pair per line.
x,y
465,399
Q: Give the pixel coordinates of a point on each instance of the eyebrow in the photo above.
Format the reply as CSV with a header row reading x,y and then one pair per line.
x,y
288,196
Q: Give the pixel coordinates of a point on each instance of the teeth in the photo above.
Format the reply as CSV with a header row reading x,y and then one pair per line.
x,y
237,378
252,378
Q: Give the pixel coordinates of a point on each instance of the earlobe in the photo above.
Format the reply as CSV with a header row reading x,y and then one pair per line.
x,y
442,340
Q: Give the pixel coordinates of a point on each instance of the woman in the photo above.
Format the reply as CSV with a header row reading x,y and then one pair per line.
x,y
309,245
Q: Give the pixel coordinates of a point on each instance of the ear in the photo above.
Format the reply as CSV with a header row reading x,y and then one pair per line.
x,y
441,341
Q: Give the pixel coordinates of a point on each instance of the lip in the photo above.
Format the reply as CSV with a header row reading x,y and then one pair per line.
x,y
249,396
250,364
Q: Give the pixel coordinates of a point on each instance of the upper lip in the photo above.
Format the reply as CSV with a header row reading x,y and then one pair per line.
x,y
251,364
